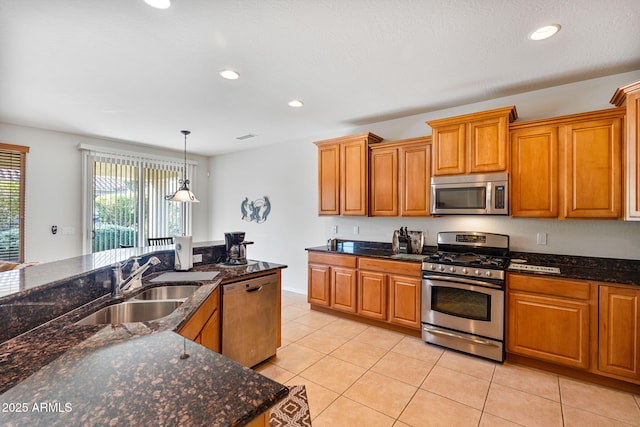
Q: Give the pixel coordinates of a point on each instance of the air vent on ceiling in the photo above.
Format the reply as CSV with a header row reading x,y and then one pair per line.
x,y
247,136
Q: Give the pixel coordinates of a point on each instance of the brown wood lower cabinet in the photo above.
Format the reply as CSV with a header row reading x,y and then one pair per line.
x,y
549,328
383,290
619,332
591,328
204,326
404,300
372,295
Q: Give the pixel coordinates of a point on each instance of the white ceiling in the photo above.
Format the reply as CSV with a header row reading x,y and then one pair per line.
x,y
122,70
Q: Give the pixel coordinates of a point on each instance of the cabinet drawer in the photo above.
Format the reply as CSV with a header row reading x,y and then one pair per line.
x,y
413,269
348,261
567,288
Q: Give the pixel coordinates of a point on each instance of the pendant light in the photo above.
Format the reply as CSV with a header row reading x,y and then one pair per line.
x,y
184,194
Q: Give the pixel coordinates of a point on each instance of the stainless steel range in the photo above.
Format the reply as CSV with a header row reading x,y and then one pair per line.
x,y
463,287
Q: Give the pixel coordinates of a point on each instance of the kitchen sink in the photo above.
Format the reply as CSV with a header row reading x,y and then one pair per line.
x,y
180,292
131,311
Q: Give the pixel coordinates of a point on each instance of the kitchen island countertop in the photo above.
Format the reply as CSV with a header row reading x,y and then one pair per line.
x,y
61,373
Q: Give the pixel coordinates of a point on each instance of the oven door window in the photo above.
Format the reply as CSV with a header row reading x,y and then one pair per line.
x,y
461,303
461,198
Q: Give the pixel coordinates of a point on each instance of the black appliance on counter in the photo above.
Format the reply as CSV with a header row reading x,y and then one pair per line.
x,y
463,287
236,248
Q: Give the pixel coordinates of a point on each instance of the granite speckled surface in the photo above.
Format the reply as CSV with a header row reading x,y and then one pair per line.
x,y
610,270
142,381
130,373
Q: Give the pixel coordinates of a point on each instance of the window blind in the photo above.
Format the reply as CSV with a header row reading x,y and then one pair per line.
x,y
126,199
12,201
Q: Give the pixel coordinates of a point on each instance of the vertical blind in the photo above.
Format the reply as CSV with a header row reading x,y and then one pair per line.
x,y
127,201
12,183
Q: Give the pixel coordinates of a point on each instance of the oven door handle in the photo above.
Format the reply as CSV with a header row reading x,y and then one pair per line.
x,y
460,337
463,280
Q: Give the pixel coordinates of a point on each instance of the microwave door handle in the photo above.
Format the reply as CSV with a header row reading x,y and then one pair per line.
x,y
489,206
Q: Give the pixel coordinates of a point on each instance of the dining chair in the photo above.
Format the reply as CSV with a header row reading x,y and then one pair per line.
x,y
157,241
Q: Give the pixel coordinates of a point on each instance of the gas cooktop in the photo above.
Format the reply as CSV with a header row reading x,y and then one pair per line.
x,y
469,259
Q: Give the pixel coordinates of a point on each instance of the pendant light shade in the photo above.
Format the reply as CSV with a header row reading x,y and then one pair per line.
x,y
184,194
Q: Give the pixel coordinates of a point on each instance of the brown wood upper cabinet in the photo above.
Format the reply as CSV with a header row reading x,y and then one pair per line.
x,y
568,167
472,143
629,95
343,168
399,177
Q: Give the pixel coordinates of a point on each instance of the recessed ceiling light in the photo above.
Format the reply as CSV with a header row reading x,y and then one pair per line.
x,y
229,74
159,4
296,103
544,32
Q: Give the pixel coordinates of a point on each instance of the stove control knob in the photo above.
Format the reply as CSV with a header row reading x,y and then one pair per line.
x,y
464,271
488,274
452,269
441,268
477,272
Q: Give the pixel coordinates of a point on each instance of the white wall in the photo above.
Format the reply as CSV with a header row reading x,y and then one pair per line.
x,y
287,174
54,189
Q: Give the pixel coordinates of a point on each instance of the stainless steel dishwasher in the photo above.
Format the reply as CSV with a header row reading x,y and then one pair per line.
x,y
250,319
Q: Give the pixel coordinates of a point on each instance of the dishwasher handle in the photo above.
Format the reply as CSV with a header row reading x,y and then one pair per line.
x,y
250,285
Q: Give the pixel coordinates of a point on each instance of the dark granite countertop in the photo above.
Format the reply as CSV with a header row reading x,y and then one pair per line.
x,y
131,373
610,270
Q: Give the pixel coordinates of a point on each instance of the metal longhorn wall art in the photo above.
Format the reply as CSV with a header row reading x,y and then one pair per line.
x,y
257,211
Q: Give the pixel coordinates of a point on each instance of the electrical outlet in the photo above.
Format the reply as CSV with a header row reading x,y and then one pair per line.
x,y
541,238
356,229
197,258
334,230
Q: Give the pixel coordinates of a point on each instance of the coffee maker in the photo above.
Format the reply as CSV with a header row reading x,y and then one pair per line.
x,y
236,248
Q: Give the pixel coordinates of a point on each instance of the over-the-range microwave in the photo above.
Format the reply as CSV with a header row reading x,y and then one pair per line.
x,y
485,194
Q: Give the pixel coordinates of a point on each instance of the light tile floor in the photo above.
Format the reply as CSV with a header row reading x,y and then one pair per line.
x,y
360,375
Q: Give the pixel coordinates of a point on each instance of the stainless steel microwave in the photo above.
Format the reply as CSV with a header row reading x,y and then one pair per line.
x,y
486,194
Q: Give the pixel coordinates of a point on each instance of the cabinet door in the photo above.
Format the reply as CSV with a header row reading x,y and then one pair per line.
x,y
619,328
343,289
404,301
550,329
193,327
415,176
210,334
354,177
448,149
534,172
633,155
329,180
384,182
593,169
372,295
488,145
319,284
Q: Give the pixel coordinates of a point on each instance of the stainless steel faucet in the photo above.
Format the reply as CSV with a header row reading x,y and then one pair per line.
x,y
134,281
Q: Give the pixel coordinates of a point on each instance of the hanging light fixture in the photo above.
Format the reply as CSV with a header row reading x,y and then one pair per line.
x,y
183,194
